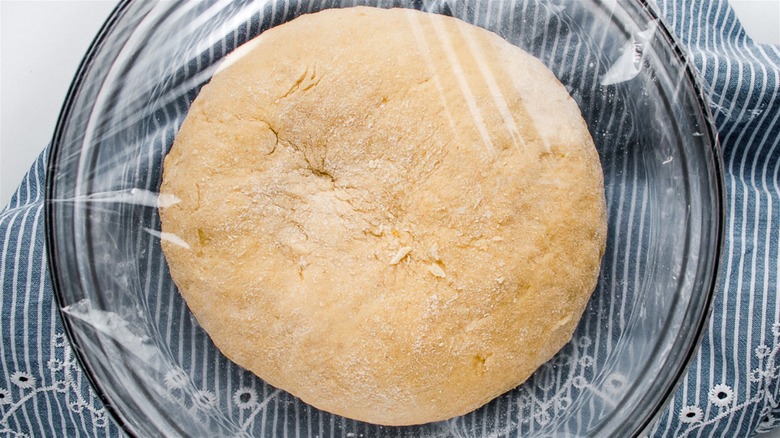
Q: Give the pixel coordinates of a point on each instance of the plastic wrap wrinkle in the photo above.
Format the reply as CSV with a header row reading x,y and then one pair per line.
x,y
118,329
142,197
168,237
629,63
219,34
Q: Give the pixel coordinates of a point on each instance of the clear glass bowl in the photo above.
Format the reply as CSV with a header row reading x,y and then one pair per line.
x,y
159,373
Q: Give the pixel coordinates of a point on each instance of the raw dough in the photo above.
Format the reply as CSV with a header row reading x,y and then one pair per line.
x,y
393,215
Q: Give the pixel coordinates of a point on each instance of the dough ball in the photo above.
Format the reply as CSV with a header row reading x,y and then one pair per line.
x,y
395,216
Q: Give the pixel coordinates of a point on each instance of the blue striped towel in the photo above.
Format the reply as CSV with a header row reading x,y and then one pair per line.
x,y
732,385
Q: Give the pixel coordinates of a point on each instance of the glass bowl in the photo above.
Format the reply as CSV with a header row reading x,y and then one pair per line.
x,y
158,372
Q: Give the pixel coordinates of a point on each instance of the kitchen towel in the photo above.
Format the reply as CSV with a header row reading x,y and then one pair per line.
x,y
731,387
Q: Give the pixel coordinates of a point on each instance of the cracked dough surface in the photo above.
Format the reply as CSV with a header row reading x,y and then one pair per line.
x,y
392,215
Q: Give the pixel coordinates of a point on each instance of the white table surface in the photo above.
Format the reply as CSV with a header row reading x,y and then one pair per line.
x,y
42,42
41,45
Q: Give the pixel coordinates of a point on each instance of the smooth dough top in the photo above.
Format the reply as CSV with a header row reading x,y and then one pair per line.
x,y
395,216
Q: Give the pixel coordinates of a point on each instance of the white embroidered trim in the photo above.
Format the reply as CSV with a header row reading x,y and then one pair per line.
x,y
722,397
691,414
64,376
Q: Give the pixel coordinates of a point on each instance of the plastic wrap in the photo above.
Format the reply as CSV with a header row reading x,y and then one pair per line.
x,y
158,371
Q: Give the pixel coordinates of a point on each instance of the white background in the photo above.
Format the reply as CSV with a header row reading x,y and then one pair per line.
x,y
42,42
41,45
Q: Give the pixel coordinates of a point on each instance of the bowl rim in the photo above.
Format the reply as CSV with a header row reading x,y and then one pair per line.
x,y
49,212
681,53
676,48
